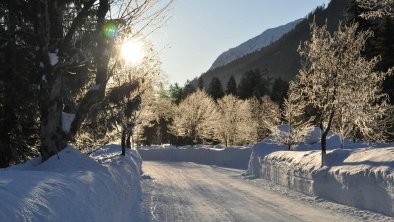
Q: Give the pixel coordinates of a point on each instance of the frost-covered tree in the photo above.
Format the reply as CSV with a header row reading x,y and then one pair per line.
x,y
248,127
377,8
236,125
293,118
265,115
334,75
116,116
195,118
229,119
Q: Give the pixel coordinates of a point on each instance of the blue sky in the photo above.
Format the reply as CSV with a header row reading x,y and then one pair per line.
x,y
200,30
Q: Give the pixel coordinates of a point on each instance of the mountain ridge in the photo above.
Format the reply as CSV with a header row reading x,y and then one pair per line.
x,y
280,59
256,43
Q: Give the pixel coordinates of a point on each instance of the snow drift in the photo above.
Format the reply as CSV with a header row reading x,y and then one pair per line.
x,y
363,177
234,157
359,175
73,187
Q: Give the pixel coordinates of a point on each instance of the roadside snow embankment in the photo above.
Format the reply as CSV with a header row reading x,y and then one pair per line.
x,y
75,187
224,157
363,178
359,176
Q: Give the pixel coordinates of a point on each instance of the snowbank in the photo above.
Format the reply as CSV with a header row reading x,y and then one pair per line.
x,y
359,175
234,157
75,187
363,177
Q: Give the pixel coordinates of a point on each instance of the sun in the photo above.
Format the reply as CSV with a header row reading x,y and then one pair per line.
x,y
132,52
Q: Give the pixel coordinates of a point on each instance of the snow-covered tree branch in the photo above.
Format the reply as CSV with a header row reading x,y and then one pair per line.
x,y
341,84
376,8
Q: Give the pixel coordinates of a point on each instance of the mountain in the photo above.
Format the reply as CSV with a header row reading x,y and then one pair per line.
x,y
280,59
266,38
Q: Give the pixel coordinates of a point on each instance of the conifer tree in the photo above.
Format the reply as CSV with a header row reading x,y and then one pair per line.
x,y
231,87
215,89
188,89
175,92
252,84
200,83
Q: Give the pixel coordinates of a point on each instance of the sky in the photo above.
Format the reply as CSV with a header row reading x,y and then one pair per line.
x,y
200,30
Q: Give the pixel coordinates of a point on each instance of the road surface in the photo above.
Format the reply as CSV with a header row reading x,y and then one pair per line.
x,y
179,191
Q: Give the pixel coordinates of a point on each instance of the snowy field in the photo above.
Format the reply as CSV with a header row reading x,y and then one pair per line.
x,y
234,157
360,175
73,187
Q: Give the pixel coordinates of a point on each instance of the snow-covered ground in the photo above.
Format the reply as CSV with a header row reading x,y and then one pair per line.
x,y
235,157
73,187
359,175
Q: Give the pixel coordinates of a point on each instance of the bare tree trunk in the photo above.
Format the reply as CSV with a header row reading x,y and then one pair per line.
x,y
51,104
342,142
324,137
128,141
123,142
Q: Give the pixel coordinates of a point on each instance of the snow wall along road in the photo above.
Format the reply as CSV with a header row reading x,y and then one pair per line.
x,y
228,157
359,176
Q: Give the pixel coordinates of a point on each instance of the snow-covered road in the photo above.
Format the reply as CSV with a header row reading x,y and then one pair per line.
x,y
180,191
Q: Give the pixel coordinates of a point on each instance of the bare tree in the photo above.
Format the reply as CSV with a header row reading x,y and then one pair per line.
x,y
334,75
71,35
196,118
376,8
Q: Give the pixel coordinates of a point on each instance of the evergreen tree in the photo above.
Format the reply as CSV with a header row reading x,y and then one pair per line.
x,y
231,86
252,84
279,91
215,89
175,92
200,83
188,89
383,45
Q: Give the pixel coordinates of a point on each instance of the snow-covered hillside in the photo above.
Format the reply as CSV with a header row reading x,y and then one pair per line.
x,y
254,44
73,187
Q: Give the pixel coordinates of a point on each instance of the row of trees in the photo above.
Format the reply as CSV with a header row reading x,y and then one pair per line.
x,y
229,120
200,119
253,84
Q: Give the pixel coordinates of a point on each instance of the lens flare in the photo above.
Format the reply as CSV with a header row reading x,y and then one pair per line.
x,y
110,30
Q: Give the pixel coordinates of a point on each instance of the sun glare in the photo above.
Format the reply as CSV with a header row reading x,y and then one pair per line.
x,y
132,52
